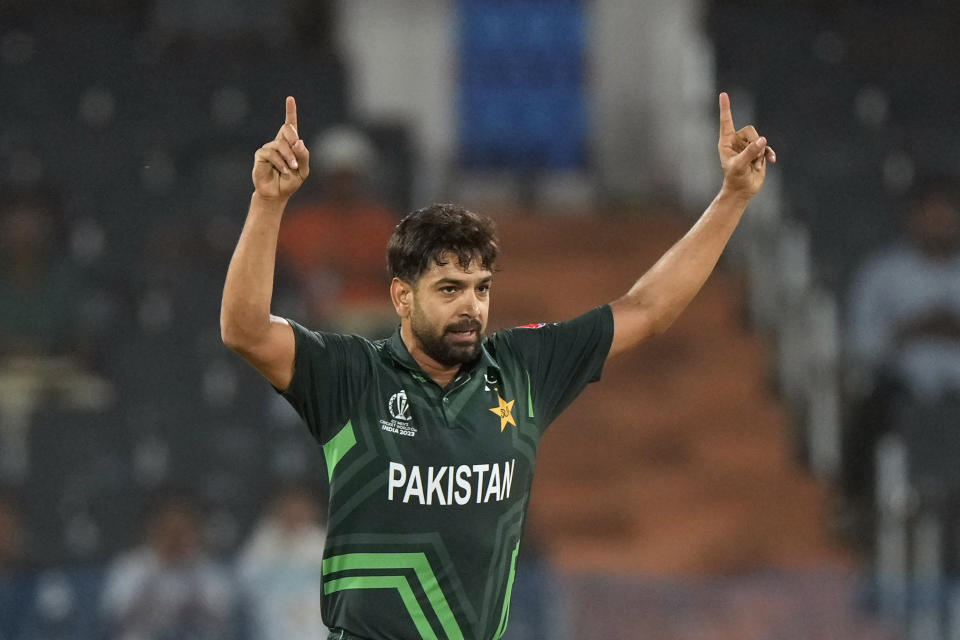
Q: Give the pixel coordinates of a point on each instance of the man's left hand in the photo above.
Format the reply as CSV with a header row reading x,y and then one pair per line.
x,y
743,154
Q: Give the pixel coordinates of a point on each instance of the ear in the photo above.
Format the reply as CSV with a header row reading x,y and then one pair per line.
x,y
401,294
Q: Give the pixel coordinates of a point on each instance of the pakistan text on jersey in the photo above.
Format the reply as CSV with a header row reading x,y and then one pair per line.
x,y
451,485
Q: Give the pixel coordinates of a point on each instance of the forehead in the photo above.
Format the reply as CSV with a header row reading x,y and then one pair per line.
x,y
451,270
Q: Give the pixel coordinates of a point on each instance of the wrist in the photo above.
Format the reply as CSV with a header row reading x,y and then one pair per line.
x,y
733,195
272,204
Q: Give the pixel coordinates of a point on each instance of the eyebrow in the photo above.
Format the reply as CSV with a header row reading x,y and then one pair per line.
x,y
457,282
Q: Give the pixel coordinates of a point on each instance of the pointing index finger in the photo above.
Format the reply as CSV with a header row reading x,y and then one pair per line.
x,y
726,117
291,113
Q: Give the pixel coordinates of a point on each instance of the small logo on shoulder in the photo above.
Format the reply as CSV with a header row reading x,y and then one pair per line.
x,y
399,406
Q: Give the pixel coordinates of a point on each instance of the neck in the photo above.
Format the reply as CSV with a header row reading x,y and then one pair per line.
x,y
439,373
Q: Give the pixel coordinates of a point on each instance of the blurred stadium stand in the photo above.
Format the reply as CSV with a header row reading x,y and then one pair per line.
x,y
148,137
150,146
522,85
856,97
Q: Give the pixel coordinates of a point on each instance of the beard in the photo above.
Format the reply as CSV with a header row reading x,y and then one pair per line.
x,y
445,347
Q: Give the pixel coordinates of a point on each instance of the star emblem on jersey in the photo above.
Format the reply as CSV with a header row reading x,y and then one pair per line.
x,y
504,412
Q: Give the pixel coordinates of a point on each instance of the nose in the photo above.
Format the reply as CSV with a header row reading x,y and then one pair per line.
x,y
470,304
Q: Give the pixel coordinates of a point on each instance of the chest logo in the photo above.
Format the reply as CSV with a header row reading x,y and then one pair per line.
x,y
399,406
504,412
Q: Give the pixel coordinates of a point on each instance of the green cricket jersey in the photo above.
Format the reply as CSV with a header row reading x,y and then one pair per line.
x,y
428,485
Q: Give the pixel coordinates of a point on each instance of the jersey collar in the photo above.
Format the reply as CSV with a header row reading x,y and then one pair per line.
x,y
401,356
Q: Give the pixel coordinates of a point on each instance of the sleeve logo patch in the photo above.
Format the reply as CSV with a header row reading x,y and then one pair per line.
x,y
535,325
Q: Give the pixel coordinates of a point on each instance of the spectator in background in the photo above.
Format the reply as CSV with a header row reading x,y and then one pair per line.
x,y
168,587
904,330
905,301
39,321
39,290
16,585
332,247
11,534
281,565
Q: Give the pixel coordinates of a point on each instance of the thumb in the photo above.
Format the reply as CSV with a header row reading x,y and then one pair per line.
x,y
753,151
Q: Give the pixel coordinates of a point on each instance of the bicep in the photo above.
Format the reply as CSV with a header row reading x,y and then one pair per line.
x,y
273,355
632,323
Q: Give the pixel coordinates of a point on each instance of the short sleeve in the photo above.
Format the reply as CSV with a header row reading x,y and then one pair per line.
x,y
561,358
330,372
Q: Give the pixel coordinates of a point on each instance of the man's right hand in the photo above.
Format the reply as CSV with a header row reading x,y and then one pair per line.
x,y
281,166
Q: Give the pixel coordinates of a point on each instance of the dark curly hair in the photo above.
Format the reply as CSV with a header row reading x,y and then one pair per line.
x,y
425,235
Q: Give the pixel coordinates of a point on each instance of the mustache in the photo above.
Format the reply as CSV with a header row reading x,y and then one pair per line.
x,y
464,325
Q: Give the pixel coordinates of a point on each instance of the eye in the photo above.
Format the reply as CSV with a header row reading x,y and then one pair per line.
x,y
448,290
484,288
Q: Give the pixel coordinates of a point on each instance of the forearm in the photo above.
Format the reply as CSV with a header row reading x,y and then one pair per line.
x,y
248,291
663,292
658,297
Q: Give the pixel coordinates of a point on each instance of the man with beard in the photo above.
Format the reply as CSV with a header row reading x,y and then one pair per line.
x,y
430,436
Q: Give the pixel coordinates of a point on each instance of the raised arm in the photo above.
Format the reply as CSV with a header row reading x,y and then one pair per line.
x,y
246,324
657,298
